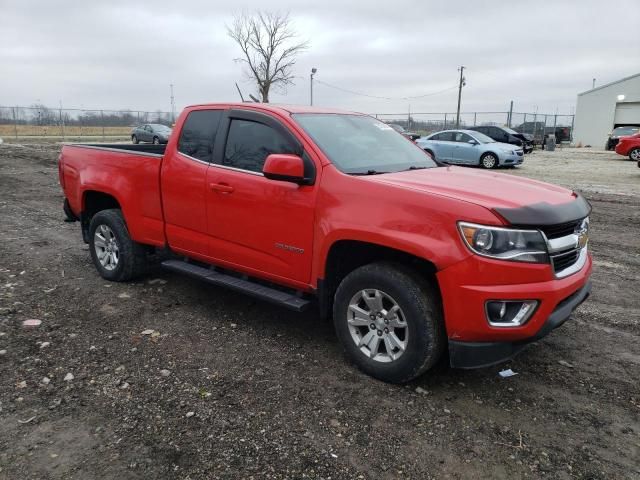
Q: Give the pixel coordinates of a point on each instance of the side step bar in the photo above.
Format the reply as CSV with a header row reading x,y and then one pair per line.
x,y
256,290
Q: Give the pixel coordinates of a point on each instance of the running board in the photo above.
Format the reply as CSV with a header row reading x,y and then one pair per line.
x,y
256,290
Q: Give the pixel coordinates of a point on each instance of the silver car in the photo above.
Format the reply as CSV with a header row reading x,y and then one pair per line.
x,y
150,132
467,147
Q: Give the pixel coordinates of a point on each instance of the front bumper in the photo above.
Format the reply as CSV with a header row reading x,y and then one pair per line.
x,y
468,285
484,354
509,159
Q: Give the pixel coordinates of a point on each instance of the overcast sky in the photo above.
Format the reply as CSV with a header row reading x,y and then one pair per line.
x,y
116,54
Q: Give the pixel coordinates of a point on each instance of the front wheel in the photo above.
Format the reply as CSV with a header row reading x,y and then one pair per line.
x,y
489,161
389,321
635,155
134,139
156,141
115,255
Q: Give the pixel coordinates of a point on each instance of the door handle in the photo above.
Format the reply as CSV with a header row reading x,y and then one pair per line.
x,y
221,187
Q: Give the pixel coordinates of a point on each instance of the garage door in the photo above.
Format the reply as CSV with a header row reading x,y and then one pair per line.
x,y
627,113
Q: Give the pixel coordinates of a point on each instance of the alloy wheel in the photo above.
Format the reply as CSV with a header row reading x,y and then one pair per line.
x,y
377,325
106,247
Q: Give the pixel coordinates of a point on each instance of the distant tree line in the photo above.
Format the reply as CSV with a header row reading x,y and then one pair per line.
x,y
38,114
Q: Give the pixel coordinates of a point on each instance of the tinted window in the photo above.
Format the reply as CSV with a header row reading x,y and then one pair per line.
x,y
443,137
249,143
199,133
462,137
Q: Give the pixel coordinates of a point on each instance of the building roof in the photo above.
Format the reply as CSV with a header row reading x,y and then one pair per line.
x,y
610,84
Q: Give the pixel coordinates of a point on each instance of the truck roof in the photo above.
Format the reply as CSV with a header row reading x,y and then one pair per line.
x,y
279,108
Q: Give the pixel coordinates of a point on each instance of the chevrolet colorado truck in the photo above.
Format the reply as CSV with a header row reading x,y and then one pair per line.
x,y
299,205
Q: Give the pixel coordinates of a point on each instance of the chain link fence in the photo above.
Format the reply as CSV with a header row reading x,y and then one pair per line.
x,y
536,124
41,124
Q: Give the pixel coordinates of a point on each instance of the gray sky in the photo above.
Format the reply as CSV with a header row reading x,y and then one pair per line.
x,y
123,54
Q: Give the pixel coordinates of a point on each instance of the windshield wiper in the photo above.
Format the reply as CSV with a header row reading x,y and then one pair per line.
x,y
368,172
415,167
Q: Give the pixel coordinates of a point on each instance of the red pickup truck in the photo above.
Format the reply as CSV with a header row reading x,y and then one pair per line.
x,y
301,205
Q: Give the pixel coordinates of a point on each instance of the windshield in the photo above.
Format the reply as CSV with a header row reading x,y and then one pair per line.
x,y
510,130
359,144
622,131
482,138
397,128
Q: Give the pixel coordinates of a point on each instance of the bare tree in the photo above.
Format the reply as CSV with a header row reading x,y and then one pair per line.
x,y
268,43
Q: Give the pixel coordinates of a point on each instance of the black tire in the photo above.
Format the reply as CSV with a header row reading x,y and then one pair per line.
x,y
132,257
421,307
134,139
485,161
156,141
634,155
430,152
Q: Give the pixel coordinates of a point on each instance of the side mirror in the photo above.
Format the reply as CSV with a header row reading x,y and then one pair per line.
x,y
284,167
472,142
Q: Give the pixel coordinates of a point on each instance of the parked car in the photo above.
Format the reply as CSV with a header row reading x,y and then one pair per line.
x,y
151,132
629,146
295,204
400,129
617,133
506,135
469,147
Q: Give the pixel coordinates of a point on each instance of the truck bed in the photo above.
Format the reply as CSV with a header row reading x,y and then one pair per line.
x,y
128,173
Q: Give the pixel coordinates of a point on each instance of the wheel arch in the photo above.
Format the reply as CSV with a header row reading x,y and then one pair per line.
x,y
344,256
94,201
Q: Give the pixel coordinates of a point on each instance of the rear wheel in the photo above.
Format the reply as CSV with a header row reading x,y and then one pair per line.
x,y
635,154
115,255
156,141
389,321
488,161
134,139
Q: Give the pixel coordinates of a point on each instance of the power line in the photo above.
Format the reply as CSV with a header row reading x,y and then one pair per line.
x,y
385,98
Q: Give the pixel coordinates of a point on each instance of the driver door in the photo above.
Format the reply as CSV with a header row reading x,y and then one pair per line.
x,y
256,224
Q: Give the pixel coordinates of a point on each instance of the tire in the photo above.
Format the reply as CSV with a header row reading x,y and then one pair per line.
x,y
108,234
156,141
489,160
134,139
634,155
430,153
423,335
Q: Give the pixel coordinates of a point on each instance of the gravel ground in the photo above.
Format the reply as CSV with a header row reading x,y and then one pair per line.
x,y
228,387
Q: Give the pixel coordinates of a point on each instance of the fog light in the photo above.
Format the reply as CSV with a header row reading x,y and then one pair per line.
x,y
509,313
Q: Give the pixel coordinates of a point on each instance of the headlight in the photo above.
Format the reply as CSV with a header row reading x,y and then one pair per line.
x,y
505,243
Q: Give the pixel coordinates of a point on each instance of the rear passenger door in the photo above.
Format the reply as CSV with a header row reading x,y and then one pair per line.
x,y
183,182
444,146
259,225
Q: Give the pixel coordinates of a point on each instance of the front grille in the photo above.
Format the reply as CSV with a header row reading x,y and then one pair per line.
x,y
565,259
560,230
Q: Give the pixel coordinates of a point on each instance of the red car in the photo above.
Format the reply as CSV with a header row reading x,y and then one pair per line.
x,y
629,146
295,205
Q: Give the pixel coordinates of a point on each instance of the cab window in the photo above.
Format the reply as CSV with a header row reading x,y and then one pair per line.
x,y
249,144
198,134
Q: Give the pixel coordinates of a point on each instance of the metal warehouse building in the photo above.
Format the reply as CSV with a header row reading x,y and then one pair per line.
x,y
600,110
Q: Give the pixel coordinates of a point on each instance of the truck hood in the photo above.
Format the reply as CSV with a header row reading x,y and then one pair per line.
x,y
498,192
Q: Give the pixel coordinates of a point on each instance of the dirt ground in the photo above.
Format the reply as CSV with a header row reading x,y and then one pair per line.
x,y
229,387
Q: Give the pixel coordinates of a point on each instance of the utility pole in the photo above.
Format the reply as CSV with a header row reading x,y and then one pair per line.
x,y
460,85
510,116
173,105
593,84
313,72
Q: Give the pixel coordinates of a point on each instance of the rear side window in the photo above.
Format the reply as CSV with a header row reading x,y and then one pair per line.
x,y
199,134
249,143
444,137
